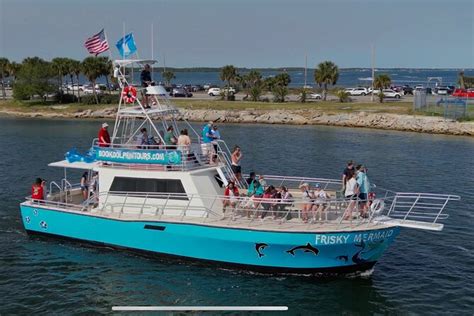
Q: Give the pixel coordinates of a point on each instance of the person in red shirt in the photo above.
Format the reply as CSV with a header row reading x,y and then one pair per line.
x,y
231,194
37,189
104,137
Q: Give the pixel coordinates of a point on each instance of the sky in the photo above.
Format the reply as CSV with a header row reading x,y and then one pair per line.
x,y
249,33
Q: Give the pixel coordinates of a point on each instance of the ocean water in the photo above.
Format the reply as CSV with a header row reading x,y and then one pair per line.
x,y
347,77
422,273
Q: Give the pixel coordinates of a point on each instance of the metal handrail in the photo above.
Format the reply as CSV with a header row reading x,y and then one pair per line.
x,y
420,206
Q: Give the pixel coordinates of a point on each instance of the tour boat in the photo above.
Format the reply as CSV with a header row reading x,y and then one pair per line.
x,y
168,201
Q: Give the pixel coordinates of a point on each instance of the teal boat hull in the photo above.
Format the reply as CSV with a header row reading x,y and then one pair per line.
x,y
265,251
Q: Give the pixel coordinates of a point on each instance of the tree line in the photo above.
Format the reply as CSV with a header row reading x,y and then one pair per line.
x,y
37,77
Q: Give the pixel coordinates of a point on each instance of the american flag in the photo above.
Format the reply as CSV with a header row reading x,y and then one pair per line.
x,y
97,44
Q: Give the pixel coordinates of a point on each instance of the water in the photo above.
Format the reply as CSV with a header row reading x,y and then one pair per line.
x,y
423,272
347,77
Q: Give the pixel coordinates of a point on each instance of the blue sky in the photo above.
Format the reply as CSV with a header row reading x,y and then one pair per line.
x,y
258,33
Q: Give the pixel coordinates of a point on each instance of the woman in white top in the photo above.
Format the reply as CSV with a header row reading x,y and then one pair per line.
x,y
307,195
351,192
320,201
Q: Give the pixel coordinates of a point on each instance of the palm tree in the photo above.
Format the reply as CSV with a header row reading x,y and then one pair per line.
x,y
343,95
4,65
167,76
253,85
326,73
76,69
228,73
381,82
73,66
91,67
59,65
106,70
13,69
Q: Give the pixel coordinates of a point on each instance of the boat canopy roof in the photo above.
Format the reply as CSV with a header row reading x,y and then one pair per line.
x,y
75,165
127,62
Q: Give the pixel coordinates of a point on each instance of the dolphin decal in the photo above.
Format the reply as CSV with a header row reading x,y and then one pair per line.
x,y
343,258
259,248
305,248
356,258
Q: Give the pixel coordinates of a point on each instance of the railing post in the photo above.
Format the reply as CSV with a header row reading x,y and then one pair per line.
x,y
186,208
143,205
123,204
164,205
411,208
441,210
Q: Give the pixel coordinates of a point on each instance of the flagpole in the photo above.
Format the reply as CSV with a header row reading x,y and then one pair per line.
x,y
107,40
152,51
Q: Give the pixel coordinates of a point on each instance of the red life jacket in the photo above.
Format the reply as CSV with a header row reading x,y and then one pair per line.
x,y
37,192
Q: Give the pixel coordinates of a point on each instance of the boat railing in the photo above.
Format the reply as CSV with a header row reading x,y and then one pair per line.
x,y
409,208
293,183
416,210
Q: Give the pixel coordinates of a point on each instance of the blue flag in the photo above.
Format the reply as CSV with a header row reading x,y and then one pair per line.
x,y
126,45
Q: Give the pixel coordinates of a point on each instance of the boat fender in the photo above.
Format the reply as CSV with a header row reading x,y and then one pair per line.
x,y
129,94
377,206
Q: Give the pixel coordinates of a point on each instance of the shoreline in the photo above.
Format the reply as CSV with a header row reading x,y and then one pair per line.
x,y
365,119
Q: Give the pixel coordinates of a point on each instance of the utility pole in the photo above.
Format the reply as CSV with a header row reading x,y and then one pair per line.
x,y
373,73
305,69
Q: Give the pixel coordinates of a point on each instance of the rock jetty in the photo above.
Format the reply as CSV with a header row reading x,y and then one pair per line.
x,y
412,123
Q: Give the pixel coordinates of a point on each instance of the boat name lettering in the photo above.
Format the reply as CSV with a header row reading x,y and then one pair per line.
x,y
139,156
338,239
373,236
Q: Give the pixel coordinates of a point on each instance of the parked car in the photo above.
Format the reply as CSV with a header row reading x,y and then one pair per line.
x,y
389,93
214,91
207,86
464,93
349,90
314,96
359,91
407,90
441,91
229,90
181,92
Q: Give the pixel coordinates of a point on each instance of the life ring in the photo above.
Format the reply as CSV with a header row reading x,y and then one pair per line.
x,y
377,206
129,94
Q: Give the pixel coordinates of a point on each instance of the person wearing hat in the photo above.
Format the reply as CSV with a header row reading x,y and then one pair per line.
x,y
104,137
320,201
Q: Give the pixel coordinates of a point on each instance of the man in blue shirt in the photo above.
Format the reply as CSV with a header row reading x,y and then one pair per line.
x,y
364,188
207,138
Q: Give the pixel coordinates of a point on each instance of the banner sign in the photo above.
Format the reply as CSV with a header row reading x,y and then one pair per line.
x,y
144,156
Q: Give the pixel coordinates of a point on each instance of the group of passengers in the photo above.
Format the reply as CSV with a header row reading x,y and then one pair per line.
x,y
315,202
259,199
356,188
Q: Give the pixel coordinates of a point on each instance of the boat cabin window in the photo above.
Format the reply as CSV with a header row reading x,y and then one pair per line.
x,y
130,185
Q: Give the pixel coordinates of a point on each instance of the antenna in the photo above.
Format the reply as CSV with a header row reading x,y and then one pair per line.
x,y
151,51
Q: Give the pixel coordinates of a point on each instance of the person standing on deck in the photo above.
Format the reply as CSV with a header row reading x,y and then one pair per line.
x,y
206,136
170,140
104,137
216,135
235,159
364,188
347,174
145,78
